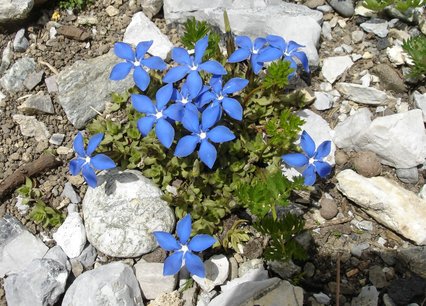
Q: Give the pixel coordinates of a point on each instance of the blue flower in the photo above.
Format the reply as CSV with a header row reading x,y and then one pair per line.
x,y
192,65
249,50
219,95
201,133
137,62
158,114
311,159
85,163
182,249
279,48
185,100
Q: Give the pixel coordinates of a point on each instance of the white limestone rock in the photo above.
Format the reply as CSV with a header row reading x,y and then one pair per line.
x,y
362,94
217,270
123,211
420,101
323,100
13,10
377,26
71,235
334,67
31,127
389,204
347,132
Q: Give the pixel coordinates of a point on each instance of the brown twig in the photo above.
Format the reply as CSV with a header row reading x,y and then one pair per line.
x,y
44,162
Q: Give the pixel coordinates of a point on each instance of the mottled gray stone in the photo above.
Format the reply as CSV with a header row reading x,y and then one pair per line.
x,y
88,256
414,258
285,269
123,211
40,284
111,284
362,94
70,193
31,127
85,88
57,139
6,58
13,10
377,26
409,176
343,7
33,79
20,42
56,253
151,7
13,79
36,104
51,84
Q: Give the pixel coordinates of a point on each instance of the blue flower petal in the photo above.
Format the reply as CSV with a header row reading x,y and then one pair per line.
x,y
195,83
269,54
154,62
295,159
141,78
124,51
307,144
206,97
181,56
174,111
191,122
259,43
233,108
89,176
309,175
143,104
207,153
194,265
102,162
120,71
201,242
323,169
200,49
292,46
255,65
323,150
94,142
303,59
145,124
244,42
186,145
166,241
163,96
210,116
220,134
277,42
75,165
173,263
176,74
239,55
142,48
165,132
183,228
234,85
213,67
79,145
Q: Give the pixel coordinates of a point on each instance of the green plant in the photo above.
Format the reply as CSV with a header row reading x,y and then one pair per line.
x,y
74,4
235,236
416,48
403,6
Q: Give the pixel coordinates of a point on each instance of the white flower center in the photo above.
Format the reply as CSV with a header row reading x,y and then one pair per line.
x,y
255,51
311,161
87,160
184,248
202,135
220,98
184,100
158,115
193,67
136,63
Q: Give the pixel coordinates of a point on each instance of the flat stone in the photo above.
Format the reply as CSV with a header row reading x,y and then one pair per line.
x,y
409,176
20,42
51,84
257,274
250,265
377,26
71,235
73,32
57,139
31,127
6,59
56,253
362,94
86,20
70,193
217,270
369,296
111,284
13,79
357,36
420,101
112,11
323,100
18,247
33,79
414,258
345,8
285,269
389,78
15,10
88,256
151,7
85,88
161,44
152,281
346,132
123,211
389,204
408,146
37,104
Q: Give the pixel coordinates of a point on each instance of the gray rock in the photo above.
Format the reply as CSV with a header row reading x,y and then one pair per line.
x,y
204,298
152,281
344,7
76,267
33,79
258,274
334,67
409,176
362,94
254,18
347,132
357,249
6,58
84,88
326,30
285,269
123,211
13,79
377,26
369,296
112,11
151,7
420,101
328,208
367,164
387,202
88,256
2,96
18,247
249,265
357,36
57,139
56,253
37,104
363,225
15,10
133,35
71,235
51,84
408,146
111,284
70,193
31,127
217,270
377,277
414,258
389,78
323,100
41,283
20,43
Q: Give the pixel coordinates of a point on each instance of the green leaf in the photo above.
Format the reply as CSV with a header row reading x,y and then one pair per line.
x,y
277,75
416,48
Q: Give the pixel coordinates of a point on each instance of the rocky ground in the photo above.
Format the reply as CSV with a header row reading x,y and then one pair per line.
x,y
367,221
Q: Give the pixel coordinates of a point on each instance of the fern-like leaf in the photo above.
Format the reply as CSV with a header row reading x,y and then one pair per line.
x,y
416,48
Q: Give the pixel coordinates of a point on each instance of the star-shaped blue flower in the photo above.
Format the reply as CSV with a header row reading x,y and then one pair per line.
x,y
137,61
192,65
201,133
158,114
279,48
185,100
249,50
86,163
312,160
183,250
